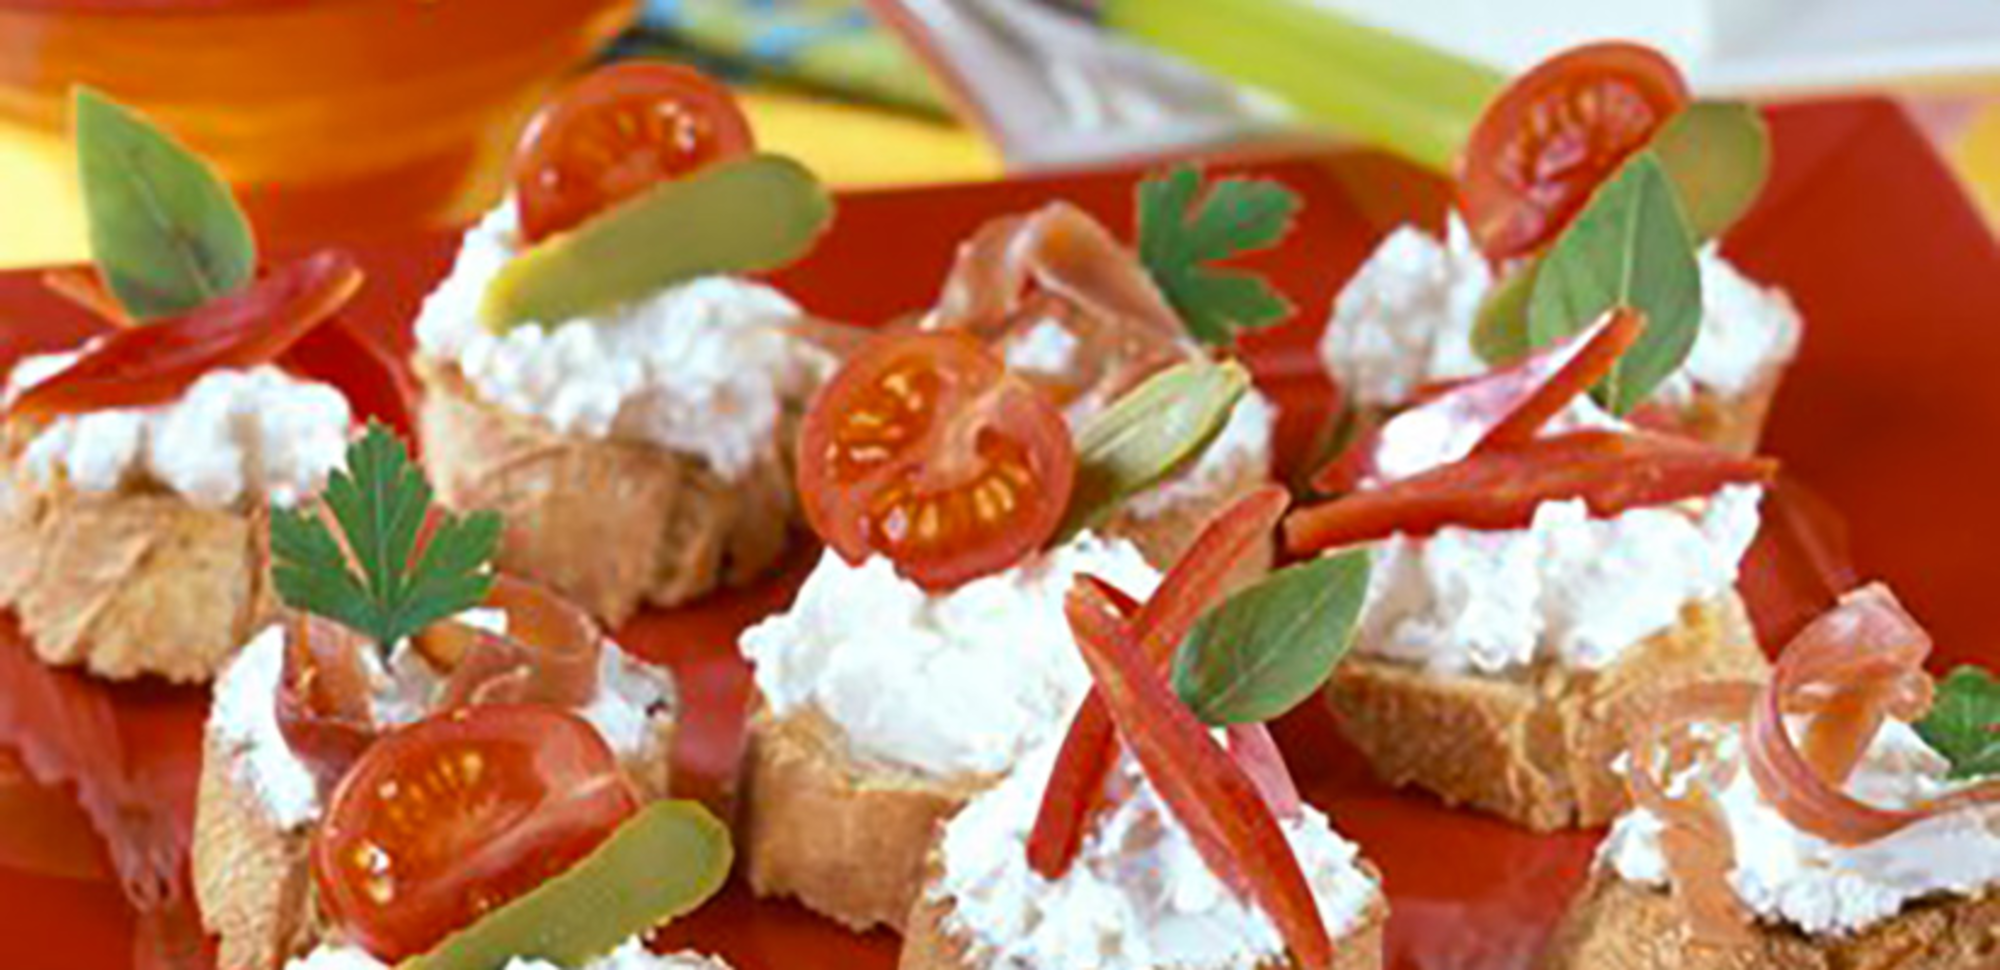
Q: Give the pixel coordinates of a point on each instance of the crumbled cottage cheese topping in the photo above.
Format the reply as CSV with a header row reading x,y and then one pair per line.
x,y
630,955
1570,588
1787,876
232,435
1138,896
962,682
1406,320
707,367
243,716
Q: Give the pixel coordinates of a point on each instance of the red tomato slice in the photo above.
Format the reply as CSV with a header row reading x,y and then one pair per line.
x,y
925,450
1500,489
1558,131
456,815
153,364
617,132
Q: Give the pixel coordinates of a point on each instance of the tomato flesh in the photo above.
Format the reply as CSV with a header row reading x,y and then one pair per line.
x,y
925,450
617,132
1555,134
451,817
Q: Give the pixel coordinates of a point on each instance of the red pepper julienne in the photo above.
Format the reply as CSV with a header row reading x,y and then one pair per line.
x,y
1207,792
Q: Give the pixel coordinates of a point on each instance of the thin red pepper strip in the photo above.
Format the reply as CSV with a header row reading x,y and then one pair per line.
x,y
1253,747
1194,584
1207,792
375,383
1501,489
1500,408
153,364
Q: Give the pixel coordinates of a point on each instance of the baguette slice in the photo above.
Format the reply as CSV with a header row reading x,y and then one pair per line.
x,y
1164,537
844,838
929,943
610,524
252,878
1535,748
130,583
1618,925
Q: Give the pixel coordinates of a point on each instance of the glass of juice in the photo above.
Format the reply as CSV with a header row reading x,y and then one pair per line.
x,y
334,119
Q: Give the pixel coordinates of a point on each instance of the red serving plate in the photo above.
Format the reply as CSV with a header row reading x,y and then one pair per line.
x,y
1888,413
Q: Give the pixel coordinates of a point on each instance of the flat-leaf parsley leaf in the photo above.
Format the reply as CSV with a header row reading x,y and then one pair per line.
x,y
1185,227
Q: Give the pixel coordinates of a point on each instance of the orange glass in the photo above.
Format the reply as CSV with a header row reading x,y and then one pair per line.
x,y
333,118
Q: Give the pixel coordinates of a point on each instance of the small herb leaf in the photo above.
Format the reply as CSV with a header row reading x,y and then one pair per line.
x,y
380,502
1964,723
164,230
1272,645
1629,247
1500,334
1718,154
1150,434
1184,228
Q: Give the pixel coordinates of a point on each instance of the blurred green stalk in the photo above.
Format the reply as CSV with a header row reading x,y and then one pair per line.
x,y
1403,96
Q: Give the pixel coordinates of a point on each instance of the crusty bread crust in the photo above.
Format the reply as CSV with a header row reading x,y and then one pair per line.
x,y
1535,748
845,839
130,583
1165,536
609,524
928,944
253,880
1617,925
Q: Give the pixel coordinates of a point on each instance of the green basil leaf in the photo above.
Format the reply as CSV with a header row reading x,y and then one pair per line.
x,y
1629,247
1270,646
1149,435
164,230
1718,154
1500,333
1964,723
662,863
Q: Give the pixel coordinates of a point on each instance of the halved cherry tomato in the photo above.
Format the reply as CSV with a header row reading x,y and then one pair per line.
x,y
617,132
925,450
155,363
1610,470
1545,144
456,815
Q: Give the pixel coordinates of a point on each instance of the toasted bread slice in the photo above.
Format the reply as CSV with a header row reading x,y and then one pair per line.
x,y
844,838
1618,925
610,524
131,583
929,943
252,878
1536,747
1164,536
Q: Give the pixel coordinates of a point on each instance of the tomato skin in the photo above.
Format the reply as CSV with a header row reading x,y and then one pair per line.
x,y
926,450
450,817
615,133
1554,135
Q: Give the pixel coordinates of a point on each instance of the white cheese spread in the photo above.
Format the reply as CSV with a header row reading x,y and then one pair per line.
x,y
1570,588
962,682
232,435
1790,877
1406,318
1138,896
243,715
706,368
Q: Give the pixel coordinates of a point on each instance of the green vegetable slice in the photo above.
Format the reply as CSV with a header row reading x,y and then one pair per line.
x,y
1718,154
1148,435
745,215
663,863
